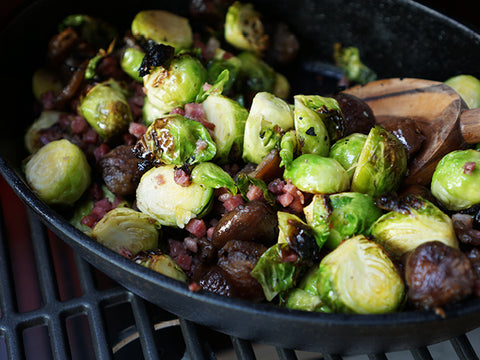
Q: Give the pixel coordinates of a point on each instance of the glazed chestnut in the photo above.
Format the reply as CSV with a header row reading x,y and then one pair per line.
x,y
358,116
407,131
437,274
254,221
215,280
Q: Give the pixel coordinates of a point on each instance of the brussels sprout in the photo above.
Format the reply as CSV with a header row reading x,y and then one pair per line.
x,y
131,61
468,87
415,222
44,81
348,59
244,28
159,196
218,64
289,148
94,31
106,109
150,113
255,74
456,179
317,174
180,83
126,231
311,131
347,151
269,116
281,87
163,27
229,118
381,164
174,139
340,216
32,137
211,175
359,277
58,173
161,263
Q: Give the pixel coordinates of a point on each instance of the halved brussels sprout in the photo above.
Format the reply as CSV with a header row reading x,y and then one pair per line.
x,y
159,196
106,109
43,81
359,277
381,164
340,216
127,231
244,28
269,117
32,137
417,221
174,139
468,87
163,27
317,174
347,151
348,59
161,263
176,86
229,118
131,61
150,113
58,173
311,132
456,179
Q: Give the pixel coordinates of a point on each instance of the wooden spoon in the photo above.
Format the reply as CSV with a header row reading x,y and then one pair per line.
x,y
439,112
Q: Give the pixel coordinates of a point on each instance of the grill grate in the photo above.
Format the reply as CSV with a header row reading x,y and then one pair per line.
x,y
54,305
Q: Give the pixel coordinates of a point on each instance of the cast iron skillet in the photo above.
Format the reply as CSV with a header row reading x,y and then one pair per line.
x,y
396,38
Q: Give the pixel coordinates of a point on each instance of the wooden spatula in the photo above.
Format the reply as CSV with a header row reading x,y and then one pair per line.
x,y
439,112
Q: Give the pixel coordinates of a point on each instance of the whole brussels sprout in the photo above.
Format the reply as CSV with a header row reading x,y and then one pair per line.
x,y
161,263
415,222
348,59
171,204
106,109
44,81
58,173
218,64
456,180
94,31
32,137
468,87
340,216
381,164
177,85
174,139
244,28
347,151
269,116
359,277
126,231
163,27
311,131
317,174
229,118
131,61
255,74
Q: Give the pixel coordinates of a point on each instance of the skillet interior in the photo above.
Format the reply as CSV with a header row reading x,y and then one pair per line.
x,y
396,38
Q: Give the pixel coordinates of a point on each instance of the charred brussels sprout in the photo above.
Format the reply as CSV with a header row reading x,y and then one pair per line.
x,y
106,109
127,231
317,174
131,61
244,28
269,117
348,59
456,180
347,151
229,118
176,140
175,85
415,222
171,204
340,216
359,277
163,27
381,164
58,173
468,87
161,263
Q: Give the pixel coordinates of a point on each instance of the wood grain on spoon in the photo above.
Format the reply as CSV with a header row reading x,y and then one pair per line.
x,y
440,114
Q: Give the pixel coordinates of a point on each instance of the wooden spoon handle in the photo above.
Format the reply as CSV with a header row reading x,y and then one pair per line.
x,y
470,125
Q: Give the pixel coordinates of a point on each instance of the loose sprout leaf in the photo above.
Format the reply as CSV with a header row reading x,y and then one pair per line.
x,y
244,181
157,55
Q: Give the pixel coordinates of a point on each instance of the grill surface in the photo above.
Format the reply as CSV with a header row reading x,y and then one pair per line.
x,y
54,305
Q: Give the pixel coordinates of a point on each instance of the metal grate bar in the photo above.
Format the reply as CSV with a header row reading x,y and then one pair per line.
x,y
377,357
243,349
464,348
286,354
195,348
421,354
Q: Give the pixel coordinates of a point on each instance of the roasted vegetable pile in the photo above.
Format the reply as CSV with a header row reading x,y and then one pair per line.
x,y
178,144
